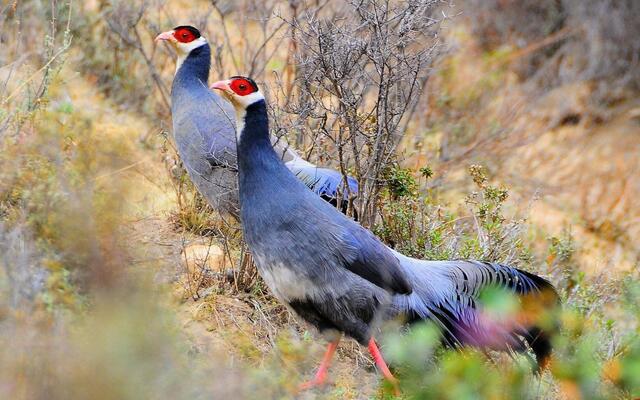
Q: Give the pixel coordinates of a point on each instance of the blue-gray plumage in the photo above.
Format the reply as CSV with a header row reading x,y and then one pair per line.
x,y
337,275
306,251
204,132
446,292
202,123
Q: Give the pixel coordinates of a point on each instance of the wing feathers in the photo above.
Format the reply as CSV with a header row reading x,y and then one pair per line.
x,y
372,261
323,181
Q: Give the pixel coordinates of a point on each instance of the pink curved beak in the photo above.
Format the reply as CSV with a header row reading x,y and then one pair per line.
x,y
168,35
221,85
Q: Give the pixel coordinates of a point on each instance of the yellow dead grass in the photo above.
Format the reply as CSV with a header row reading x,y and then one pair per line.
x,y
584,167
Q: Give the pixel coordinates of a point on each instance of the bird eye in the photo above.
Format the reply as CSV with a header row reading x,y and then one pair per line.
x,y
184,35
241,86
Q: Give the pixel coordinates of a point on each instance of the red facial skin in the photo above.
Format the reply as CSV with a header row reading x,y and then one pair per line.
x,y
184,35
242,87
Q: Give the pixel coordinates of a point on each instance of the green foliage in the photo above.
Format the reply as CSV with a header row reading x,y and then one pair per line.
x,y
583,366
400,182
24,92
586,350
453,375
496,301
426,172
418,226
61,293
561,252
587,358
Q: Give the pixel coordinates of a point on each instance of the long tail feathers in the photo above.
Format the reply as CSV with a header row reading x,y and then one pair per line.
x,y
447,292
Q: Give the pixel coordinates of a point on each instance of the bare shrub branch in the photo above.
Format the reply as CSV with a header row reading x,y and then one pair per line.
x,y
361,67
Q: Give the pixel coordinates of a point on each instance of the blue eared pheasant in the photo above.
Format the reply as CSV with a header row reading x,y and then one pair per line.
x,y
204,132
339,277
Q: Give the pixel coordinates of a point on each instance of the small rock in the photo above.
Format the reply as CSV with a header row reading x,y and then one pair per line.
x,y
201,258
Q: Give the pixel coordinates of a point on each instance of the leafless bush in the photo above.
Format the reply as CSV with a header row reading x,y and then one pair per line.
x,y
124,19
353,71
254,22
564,41
361,68
128,29
23,86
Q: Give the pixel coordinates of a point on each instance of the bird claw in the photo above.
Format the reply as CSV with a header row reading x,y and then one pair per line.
x,y
311,384
321,376
319,380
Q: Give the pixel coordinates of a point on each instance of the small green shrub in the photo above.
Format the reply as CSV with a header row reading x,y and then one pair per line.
x,y
418,226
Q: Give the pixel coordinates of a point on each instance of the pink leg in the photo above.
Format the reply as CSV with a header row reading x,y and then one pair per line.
x,y
377,357
321,375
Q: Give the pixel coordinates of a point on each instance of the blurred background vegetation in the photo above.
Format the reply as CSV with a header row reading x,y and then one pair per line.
x,y
118,282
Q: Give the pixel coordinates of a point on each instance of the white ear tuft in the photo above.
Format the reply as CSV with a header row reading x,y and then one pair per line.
x,y
246,101
183,49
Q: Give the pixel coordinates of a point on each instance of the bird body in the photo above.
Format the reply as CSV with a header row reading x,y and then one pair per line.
x,y
204,132
310,255
337,275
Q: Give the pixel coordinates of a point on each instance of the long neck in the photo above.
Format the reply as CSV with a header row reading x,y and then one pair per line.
x,y
265,184
254,145
195,67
